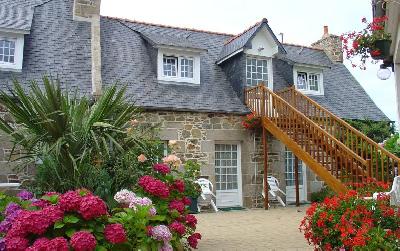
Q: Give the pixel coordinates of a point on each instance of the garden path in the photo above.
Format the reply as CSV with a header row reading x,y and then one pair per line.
x,y
255,229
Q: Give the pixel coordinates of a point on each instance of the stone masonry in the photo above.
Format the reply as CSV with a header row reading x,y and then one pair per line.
x,y
197,134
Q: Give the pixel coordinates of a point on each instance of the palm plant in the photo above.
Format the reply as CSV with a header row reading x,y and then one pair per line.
x,y
65,132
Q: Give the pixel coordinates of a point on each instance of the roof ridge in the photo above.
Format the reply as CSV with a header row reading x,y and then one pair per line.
x,y
168,26
240,34
304,46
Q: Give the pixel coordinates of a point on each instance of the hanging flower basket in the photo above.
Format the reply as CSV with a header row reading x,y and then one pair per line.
x,y
381,49
251,122
371,42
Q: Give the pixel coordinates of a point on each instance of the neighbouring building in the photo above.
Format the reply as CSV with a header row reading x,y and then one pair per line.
x,y
189,81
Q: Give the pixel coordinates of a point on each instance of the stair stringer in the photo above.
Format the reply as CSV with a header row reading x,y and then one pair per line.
x,y
334,183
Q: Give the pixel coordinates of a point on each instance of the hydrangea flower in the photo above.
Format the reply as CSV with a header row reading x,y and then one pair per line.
x,y
177,227
160,233
177,205
12,208
70,201
154,186
92,207
172,160
166,247
152,211
115,233
179,185
25,195
191,220
39,244
17,244
83,241
2,244
162,168
124,196
5,225
194,239
53,213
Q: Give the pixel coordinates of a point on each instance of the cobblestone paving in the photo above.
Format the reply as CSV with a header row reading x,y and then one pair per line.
x,y
255,229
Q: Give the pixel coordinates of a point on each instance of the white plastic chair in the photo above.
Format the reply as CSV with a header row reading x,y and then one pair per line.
x,y
273,184
206,194
394,193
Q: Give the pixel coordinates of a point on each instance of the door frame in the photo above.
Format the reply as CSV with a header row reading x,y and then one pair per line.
x,y
239,166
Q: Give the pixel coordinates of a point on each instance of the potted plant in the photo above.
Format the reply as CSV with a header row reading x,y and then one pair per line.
x,y
372,41
193,189
251,122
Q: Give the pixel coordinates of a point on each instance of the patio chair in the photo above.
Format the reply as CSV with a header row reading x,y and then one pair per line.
x,y
206,196
394,193
273,190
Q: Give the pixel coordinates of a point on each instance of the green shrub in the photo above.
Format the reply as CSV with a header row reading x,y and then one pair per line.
x,y
392,144
319,196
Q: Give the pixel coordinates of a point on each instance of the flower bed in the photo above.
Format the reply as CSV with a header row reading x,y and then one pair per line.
x,y
350,222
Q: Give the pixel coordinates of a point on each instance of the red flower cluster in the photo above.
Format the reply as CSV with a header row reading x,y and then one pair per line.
x,y
349,221
194,239
44,244
154,186
92,207
179,185
177,205
251,122
177,227
83,241
70,201
162,168
370,186
115,233
191,220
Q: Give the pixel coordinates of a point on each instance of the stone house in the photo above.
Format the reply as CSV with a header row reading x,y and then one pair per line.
x,y
189,81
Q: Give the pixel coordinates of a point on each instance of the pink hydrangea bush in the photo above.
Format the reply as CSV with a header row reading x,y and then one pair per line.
x,y
76,220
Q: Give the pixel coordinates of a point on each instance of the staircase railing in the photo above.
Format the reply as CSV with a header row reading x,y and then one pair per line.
x,y
384,164
328,151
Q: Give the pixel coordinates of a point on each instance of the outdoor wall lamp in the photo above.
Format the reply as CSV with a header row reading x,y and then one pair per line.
x,y
384,72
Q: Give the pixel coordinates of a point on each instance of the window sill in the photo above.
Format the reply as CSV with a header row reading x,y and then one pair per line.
x,y
174,82
313,93
9,68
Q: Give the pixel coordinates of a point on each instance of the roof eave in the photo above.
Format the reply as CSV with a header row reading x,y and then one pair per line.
x,y
15,31
220,61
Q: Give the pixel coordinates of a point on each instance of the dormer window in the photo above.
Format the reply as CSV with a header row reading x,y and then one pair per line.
x,y
309,80
178,66
11,51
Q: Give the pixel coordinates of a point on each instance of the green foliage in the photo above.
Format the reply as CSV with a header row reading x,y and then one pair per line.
x,y
392,145
77,143
378,131
190,175
319,196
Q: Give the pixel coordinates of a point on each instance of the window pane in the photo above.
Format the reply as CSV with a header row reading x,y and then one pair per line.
x,y
170,66
256,71
313,82
186,68
301,80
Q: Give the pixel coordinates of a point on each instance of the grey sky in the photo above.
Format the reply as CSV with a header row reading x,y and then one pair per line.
x,y
301,21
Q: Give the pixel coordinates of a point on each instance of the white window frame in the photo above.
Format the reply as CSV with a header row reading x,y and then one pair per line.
x,y
270,79
179,54
309,71
18,52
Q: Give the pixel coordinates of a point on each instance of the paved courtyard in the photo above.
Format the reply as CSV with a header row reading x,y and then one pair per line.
x,y
256,229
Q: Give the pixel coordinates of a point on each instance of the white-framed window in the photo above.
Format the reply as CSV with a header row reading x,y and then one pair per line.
x,y
256,71
11,51
309,80
7,51
176,66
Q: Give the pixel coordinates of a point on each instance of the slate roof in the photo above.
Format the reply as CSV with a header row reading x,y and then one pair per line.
x,y
136,69
241,40
57,46
16,18
167,40
306,55
60,47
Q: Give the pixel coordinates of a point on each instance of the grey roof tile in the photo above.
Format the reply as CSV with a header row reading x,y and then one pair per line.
x,y
169,40
16,18
241,40
306,55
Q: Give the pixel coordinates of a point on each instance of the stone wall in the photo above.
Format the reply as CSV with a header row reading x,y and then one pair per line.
x,y
331,44
197,134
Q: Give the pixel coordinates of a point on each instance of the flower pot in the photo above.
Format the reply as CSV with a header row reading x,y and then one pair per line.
x,y
193,206
383,47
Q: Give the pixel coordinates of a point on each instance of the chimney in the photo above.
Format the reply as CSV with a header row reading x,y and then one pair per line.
x,y
89,11
331,44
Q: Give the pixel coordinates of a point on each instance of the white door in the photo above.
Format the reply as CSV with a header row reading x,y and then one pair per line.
x,y
290,178
228,175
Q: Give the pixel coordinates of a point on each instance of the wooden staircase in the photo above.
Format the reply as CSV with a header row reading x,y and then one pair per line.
x,y
334,150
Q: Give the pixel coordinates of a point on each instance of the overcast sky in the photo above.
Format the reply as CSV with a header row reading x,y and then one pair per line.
x,y
301,22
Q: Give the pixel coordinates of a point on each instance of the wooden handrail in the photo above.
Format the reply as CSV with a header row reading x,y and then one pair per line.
x,y
330,152
359,143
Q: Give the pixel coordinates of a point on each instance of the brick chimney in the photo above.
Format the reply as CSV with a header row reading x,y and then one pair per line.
x,y
89,11
332,46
